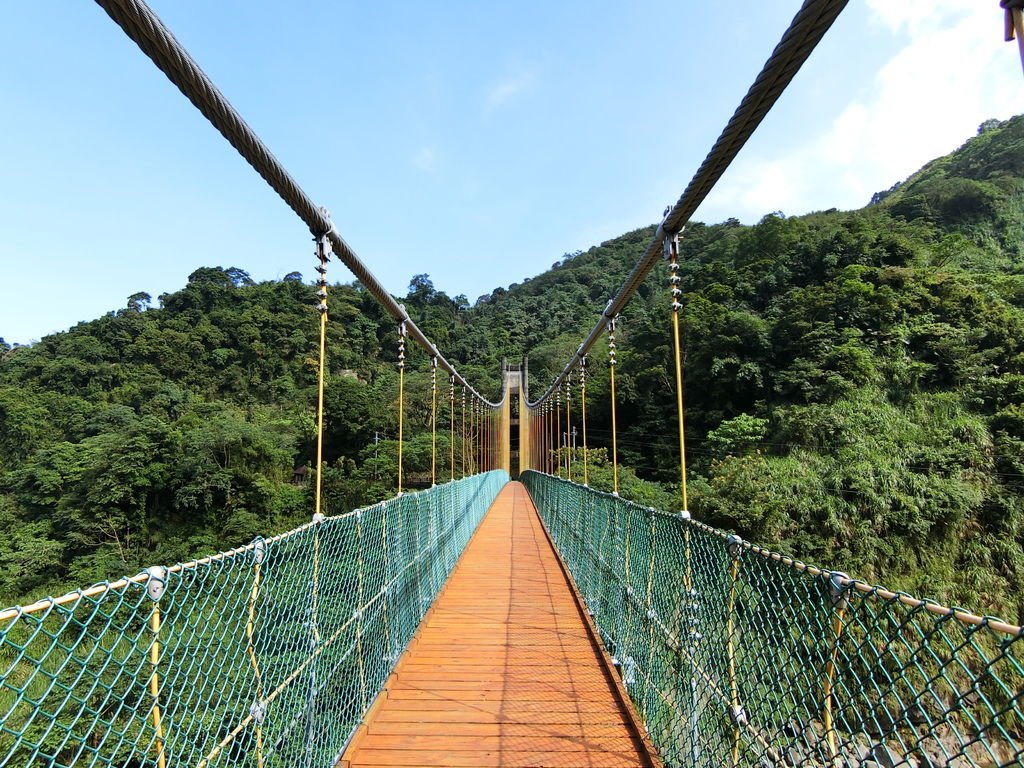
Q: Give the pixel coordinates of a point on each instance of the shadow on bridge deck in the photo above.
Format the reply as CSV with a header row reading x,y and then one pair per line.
x,y
504,670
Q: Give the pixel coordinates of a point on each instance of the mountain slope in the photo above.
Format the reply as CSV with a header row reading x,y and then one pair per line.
x,y
855,380
855,393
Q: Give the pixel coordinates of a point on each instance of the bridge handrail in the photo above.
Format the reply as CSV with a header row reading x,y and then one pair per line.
x,y
960,614
790,664
274,649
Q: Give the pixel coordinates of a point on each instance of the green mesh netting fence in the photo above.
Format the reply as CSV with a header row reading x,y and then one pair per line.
x,y
738,656
267,655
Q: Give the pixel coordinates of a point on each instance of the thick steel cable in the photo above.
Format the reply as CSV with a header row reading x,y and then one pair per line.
x,y
146,29
806,30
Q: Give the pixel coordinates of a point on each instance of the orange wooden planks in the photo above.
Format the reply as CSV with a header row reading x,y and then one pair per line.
x,y
504,671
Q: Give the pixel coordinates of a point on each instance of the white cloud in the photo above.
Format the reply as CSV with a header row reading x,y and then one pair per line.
x,y
953,73
509,87
425,158
916,17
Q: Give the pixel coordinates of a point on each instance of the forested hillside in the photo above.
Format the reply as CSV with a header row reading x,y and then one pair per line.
x,y
855,393
854,379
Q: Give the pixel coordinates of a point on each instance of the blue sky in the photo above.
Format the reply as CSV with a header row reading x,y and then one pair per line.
x,y
474,142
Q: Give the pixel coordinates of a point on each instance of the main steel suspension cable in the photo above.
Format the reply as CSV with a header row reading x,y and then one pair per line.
x,y
146,29
806,30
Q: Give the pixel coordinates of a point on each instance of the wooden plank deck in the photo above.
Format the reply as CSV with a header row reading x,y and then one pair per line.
x,y
504,671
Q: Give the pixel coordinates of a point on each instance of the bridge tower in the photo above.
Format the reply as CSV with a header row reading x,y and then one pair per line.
x,y
517,433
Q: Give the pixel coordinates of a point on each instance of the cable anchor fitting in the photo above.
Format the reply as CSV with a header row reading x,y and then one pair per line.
x,y
671,252
259,549
323,254
670,247
735,546
258,710
838,584
738,715
611,340
157,582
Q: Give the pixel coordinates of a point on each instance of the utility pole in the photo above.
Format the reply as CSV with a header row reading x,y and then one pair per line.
x,y
376,440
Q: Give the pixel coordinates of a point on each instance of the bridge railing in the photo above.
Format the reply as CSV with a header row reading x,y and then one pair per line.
x,y
738,656
267,655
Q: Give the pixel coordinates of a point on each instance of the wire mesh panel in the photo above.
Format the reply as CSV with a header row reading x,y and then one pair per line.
x,y
738,656
267,655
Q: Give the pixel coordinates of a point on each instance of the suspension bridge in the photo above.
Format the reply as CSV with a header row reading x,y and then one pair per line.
x,y
492,622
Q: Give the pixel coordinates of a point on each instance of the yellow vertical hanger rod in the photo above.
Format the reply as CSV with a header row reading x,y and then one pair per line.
x,y
401,399
672,256
611,374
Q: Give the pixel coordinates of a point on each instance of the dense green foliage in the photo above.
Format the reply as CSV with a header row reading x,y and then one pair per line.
x,y
855,393
855,380
156,434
